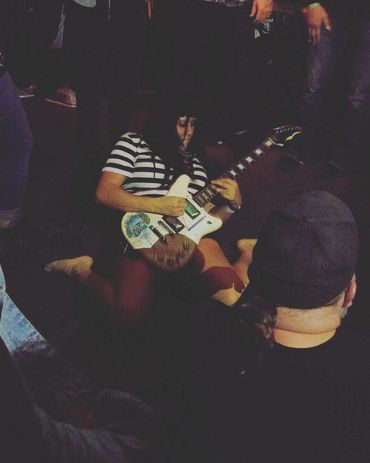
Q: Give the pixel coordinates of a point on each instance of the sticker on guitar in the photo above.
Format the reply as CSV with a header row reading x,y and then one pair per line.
x,y
169,242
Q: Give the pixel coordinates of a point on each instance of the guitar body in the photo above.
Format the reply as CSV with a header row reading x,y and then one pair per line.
x,y
169,242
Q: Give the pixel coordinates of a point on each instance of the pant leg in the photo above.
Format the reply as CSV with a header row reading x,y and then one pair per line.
x,y
84,48
124,52
222,62
20,431
28,433
181,44
321,64
244,82
15,150
210,61
356,120
65,443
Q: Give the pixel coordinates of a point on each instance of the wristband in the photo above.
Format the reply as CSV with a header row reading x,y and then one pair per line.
x,y
311,6
231,209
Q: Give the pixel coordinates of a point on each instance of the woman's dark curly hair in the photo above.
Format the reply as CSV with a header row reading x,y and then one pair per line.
x,y
259,318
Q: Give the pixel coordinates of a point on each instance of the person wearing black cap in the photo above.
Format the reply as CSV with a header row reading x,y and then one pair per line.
x,y
284,380
311,398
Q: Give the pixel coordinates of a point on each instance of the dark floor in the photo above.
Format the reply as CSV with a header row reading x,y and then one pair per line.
x,y
57,306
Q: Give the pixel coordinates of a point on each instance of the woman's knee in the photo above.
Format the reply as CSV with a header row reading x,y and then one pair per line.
x,y
221,279
228,297
210,244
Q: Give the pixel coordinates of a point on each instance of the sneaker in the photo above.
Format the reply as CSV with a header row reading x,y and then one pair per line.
x,y
27,92
63,97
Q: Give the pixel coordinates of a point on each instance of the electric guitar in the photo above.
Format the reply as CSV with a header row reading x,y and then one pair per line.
x,y
169,242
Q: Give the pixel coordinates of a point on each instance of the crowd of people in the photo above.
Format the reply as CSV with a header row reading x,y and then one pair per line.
x,y
303,384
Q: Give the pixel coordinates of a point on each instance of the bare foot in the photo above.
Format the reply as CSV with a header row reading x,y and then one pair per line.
x,y
78,268
246,245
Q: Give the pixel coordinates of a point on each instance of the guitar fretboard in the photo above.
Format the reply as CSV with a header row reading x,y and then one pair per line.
x,y
209,192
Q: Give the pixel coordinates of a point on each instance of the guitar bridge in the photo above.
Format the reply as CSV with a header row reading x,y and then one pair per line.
x,y
155,230
174,223
166,227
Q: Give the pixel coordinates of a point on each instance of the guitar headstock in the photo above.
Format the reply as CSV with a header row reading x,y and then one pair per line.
x,y
285,133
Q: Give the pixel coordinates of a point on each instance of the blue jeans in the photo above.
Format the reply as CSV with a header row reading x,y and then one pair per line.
x,y
15,150
322,64
123,425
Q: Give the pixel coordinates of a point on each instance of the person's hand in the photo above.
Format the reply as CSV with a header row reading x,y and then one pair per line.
x,y
261,10
170,205
229,190
316,18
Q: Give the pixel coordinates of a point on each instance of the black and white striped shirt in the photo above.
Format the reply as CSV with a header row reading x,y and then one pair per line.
x,y
145,172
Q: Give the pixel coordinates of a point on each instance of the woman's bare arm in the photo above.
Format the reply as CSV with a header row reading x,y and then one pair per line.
x,y
111,194
229,190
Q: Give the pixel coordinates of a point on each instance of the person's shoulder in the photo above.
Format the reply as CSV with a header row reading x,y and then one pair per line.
x,y
137,139
354,340
132,141
133,137
354,335
350,353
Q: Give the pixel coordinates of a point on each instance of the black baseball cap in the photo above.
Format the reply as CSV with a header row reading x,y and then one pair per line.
x,y
306,252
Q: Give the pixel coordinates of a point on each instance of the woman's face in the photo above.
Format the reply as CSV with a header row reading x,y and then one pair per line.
x,y
185,127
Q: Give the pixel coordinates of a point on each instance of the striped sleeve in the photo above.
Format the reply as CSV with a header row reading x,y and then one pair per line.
x,y
122,158
199,174
198,177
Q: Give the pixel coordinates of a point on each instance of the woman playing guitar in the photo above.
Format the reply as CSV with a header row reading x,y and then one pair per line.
x,y
136,177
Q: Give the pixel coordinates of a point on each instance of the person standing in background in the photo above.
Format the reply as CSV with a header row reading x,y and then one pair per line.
x,y
338,34
224,36
15,149
103,45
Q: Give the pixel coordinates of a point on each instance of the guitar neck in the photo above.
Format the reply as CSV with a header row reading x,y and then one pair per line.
x,y
209,192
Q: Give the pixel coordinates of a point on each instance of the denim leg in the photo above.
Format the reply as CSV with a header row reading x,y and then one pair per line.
x,y
15,149
322,60
358,100
2,290
20,429
53,382
120,434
